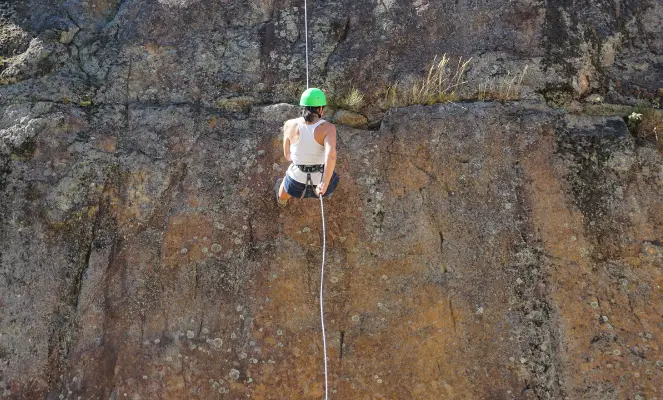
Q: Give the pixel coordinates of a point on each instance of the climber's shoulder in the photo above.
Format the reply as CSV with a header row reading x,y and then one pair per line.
x,y
293,122
328,128
290,126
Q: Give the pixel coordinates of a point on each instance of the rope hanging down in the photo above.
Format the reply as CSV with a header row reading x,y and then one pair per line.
x,y
324,233
322,281
306,37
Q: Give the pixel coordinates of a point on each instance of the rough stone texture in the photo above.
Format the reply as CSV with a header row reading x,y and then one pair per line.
x,y
475,251
275,112
350,118
194,51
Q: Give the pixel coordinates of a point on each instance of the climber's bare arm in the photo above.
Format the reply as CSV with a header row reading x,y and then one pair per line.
x,y
286,139
330,157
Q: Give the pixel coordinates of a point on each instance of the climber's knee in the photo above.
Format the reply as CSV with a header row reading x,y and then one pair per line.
x,y
283,194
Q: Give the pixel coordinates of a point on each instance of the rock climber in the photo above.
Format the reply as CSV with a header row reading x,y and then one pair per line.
x,y
309,143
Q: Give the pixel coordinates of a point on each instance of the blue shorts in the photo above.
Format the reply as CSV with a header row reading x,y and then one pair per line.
x,y
295,189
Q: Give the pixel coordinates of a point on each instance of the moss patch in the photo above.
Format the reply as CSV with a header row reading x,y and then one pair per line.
x,y
236,104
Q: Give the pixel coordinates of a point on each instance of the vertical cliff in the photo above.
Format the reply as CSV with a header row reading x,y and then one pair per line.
x,y
490,250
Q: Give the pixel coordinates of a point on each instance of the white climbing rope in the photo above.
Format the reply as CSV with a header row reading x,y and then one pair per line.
x,y
306,38
322,300
324,233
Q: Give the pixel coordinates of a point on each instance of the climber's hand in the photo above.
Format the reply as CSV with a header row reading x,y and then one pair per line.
x,y
321,189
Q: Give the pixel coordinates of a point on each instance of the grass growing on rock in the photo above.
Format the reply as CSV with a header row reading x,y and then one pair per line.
x,y
354,100
505,88
442,84
446,82
646,122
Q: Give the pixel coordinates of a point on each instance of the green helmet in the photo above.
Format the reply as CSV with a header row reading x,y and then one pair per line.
x,y
313,97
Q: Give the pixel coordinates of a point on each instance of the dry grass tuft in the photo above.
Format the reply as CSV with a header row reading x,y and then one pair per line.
x,y
442,84
505,88
650,126
353,100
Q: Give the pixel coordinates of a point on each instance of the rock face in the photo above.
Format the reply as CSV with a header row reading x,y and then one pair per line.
x,y
476,250
176,51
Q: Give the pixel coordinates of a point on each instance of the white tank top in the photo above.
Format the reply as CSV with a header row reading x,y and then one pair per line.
x,y
307,151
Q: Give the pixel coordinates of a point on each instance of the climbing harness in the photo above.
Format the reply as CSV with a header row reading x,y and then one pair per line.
x,y
309,190
324,232
312,168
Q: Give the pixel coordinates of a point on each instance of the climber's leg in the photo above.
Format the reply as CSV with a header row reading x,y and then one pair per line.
x,y
333,182
281,195
292,188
